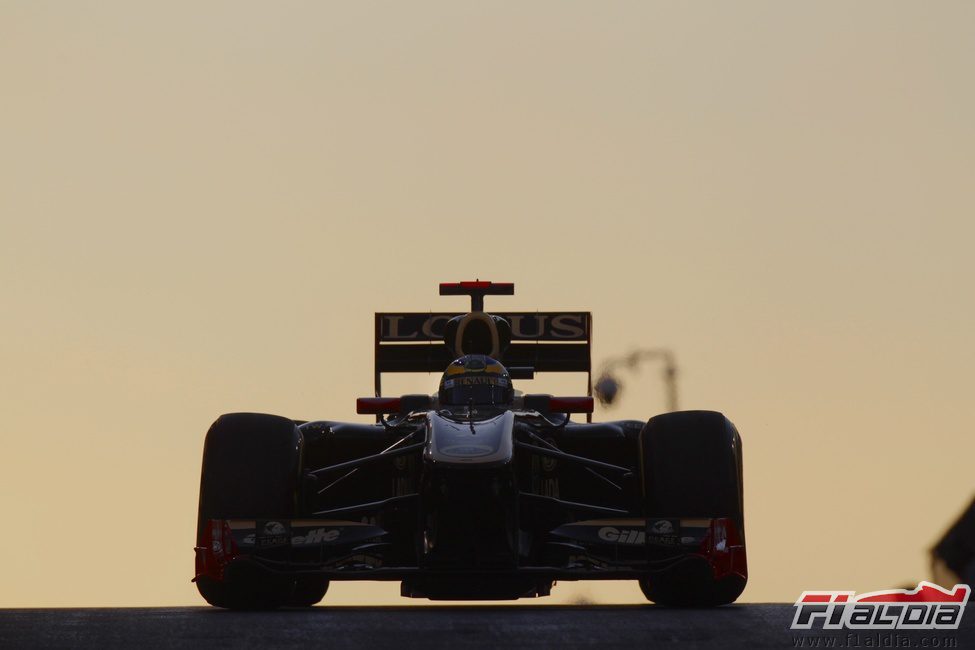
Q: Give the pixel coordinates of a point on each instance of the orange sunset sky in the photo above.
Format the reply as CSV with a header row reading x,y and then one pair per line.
x,y
203,203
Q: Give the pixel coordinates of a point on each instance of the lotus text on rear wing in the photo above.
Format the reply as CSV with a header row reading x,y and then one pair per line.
x,y
547,326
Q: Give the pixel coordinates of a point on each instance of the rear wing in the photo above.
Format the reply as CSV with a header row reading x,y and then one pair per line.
x,y
545,341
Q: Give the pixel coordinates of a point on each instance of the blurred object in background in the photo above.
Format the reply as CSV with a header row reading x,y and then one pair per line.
x,y
608,387
953,558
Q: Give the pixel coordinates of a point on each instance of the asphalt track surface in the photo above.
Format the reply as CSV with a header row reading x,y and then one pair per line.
x,y
632,627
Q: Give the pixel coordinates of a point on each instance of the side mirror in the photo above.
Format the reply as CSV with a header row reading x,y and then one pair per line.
x,y
536,402
550,404
384,405
419,402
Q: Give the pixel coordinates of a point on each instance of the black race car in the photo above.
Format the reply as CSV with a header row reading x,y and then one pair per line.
x,y
477,492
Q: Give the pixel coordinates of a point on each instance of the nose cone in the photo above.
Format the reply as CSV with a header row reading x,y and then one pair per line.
x,y
481,442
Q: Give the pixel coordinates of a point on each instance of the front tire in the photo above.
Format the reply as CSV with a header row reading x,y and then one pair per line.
x,y
308,591
692,467
251,469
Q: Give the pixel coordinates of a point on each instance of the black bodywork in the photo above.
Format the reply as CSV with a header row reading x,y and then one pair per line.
x,y
473,502
497,493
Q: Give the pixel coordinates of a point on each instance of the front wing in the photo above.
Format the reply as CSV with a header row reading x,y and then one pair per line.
x,y
594,549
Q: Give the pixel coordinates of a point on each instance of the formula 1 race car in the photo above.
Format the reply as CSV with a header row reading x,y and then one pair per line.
x,y
478,492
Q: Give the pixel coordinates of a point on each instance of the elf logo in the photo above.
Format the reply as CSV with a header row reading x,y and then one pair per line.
x,y
316,536
622,536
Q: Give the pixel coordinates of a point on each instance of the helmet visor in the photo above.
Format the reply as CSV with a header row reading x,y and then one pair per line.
x,y
480,390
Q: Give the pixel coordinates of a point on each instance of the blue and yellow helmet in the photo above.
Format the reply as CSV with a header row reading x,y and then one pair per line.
x,y
476,379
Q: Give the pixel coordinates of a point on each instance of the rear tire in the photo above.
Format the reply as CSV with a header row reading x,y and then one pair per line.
x,y
692,467
251,469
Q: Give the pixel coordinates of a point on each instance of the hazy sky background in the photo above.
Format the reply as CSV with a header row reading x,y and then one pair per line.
x,y
203,203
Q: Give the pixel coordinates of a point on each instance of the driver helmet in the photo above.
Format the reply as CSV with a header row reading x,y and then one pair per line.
x,y
477,379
